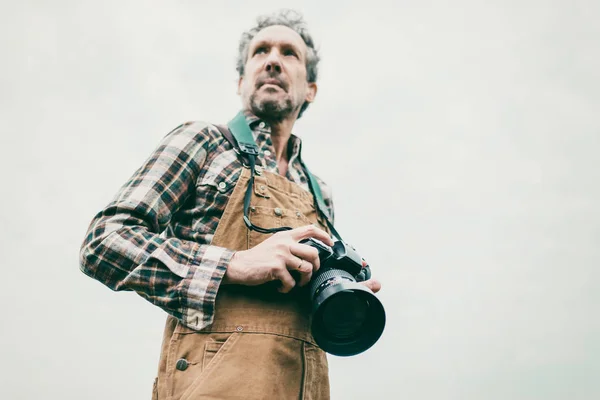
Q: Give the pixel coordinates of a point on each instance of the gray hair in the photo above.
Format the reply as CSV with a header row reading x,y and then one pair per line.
x,y
293,20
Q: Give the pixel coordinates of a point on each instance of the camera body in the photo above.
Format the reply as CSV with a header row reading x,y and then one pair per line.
x,y
347,317
341,256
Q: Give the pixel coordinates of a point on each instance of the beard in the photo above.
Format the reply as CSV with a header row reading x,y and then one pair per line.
x,y
270,109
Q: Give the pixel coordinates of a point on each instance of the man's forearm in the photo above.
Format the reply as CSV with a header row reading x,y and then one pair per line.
x,y
124,248
180,276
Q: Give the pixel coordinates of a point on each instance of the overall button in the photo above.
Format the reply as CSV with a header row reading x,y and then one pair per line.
x,y
262,191
222,186
182,364
258,170
267,153
278,212
261,125
239,328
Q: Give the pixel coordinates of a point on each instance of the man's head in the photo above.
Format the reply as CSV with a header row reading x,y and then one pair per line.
x,y
277,65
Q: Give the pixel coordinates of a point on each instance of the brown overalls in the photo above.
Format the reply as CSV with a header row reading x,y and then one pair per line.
x,y
259,345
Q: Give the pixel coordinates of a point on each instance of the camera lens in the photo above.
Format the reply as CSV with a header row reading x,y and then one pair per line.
x,y
347,318
344,315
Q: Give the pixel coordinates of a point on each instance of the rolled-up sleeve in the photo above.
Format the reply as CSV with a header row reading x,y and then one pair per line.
x,y
125,247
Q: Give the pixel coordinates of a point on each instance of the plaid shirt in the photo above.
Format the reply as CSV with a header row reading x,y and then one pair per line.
x,y
154,236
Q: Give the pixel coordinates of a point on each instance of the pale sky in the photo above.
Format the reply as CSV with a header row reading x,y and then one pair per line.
x,y
461,140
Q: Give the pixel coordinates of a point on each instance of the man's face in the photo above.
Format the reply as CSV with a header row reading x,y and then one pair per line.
x,y
274,84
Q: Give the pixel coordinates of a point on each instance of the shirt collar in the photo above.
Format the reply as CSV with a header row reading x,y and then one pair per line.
x,y
262,134
252,120
296,146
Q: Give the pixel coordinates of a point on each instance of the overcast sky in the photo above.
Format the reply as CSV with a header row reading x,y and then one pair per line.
x,y
461,140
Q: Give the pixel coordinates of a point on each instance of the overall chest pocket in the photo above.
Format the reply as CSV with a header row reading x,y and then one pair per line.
x,y
276,203
274,217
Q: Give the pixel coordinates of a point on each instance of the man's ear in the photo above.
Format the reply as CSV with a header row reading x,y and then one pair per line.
x,y
311,93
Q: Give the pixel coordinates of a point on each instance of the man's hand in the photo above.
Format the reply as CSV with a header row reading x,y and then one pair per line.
x,y
372,284
274,258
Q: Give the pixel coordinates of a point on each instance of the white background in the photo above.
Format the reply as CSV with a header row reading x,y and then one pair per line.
x,y
461,140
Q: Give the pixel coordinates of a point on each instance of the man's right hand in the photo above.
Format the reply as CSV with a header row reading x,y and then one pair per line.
x,y
274,258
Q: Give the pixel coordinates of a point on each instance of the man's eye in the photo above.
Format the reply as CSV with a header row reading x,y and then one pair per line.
x,y
289,53
260,50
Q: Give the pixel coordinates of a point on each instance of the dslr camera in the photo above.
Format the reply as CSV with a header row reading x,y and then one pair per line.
x,y
347,317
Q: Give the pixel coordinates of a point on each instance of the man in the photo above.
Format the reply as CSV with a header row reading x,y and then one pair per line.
x,y
175,233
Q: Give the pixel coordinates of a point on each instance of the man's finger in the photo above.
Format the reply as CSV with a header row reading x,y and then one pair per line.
x,y
303,267
294,263
287,281
372,284
311,231
307,253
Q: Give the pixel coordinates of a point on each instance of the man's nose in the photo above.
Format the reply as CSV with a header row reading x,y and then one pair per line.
x,y
273,62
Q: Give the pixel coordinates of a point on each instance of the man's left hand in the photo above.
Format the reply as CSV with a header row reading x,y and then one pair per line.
x,y
372,284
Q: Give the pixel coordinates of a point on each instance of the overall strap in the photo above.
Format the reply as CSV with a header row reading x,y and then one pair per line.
x,y
242,133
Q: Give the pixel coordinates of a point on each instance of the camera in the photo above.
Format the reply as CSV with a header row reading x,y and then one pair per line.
x,y
347,318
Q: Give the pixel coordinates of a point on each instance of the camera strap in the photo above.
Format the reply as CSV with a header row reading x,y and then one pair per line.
x,y
241,138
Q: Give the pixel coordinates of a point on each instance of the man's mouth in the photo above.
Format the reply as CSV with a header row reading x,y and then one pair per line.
x,y
271,82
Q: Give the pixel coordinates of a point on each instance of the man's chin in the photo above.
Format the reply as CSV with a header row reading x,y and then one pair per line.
x,y
271,106
271,109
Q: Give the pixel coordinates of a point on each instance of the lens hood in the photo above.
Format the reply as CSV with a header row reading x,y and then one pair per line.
x,y
347,318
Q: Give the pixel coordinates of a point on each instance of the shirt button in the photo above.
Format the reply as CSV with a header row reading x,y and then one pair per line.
x,y
258,170
262,188
261,125
278,212
298,214
239,328
267,152
222,185
182,364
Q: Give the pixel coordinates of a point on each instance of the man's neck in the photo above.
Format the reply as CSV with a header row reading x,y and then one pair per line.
x,y
280,136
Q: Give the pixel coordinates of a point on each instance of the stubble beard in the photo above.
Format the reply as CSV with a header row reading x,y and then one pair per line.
x,y
271,110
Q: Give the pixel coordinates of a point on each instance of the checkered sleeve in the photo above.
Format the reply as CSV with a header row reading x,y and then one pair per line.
x,y
125,250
